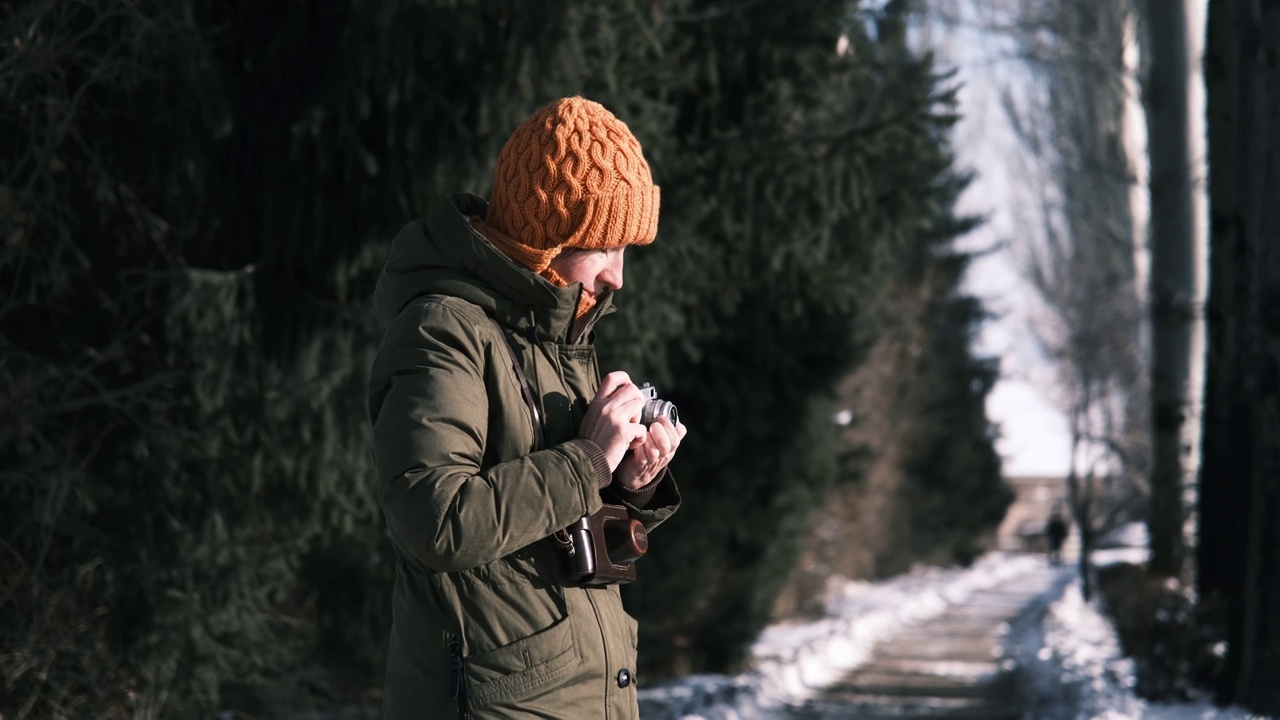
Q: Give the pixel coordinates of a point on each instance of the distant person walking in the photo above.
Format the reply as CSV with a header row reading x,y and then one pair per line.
x,y
1055,533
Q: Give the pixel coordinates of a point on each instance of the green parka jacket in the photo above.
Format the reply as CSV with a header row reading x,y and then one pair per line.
x,y
470,505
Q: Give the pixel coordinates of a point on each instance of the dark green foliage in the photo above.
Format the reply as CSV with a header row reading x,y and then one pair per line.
x,y
954,490
195,201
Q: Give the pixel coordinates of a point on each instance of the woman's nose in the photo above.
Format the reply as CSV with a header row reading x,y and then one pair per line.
x,y
612,274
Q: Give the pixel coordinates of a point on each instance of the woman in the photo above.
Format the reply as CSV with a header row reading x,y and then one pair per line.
x,y
493,430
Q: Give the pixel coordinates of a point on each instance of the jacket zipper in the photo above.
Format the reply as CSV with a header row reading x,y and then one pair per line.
x,y
458,679
535,345
588,323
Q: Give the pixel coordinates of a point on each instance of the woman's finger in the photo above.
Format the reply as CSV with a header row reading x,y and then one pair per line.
x,y
611,382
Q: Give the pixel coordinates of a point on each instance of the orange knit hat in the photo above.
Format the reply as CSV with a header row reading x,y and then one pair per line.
x,y
571,176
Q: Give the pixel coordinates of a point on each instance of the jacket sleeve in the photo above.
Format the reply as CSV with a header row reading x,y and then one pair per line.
x,y
431,417
651,505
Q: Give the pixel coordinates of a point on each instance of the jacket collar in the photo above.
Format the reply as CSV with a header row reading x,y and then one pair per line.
x,y
444,254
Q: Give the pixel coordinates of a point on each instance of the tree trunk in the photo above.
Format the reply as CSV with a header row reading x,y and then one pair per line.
x,y
1238,553
1175,299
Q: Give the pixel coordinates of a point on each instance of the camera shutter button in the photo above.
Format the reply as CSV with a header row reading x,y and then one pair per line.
x,y
624,678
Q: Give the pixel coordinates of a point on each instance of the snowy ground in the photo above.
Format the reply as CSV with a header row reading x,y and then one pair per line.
x,y
1071,661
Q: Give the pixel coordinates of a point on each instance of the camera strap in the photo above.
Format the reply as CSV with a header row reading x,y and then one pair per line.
x,y
526,390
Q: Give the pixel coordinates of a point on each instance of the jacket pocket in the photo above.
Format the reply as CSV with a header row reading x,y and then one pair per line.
x,y
522,668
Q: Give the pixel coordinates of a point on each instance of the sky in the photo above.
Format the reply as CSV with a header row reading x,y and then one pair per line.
x,y
1034,433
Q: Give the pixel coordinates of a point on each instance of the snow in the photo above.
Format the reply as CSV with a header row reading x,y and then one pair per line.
x,y
1079,672
1071,661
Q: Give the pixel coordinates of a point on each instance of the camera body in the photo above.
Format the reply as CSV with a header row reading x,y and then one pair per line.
x,y
603,547
655,408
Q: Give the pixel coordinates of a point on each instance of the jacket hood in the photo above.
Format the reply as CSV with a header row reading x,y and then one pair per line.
x,y
443,254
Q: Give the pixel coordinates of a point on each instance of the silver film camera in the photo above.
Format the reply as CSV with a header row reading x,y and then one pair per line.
x,y
603,547
655,408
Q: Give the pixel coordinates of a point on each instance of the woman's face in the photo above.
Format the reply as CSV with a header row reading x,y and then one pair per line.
x,y
595,269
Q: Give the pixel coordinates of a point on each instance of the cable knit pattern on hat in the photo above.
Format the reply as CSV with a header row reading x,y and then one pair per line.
x,y
571,176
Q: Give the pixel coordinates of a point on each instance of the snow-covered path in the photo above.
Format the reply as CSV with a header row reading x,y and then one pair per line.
x,y
1067,662
959,664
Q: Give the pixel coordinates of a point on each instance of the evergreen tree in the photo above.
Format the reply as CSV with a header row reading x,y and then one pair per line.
x,y
953,489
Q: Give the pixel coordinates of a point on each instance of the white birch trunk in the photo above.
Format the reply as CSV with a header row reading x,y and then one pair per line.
x,y
1197,143
1176,281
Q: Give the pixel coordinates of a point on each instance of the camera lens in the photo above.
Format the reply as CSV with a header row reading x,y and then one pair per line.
x,y
655,409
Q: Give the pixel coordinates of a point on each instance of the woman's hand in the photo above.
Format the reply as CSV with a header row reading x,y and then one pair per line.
x,y
650,454
613,418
